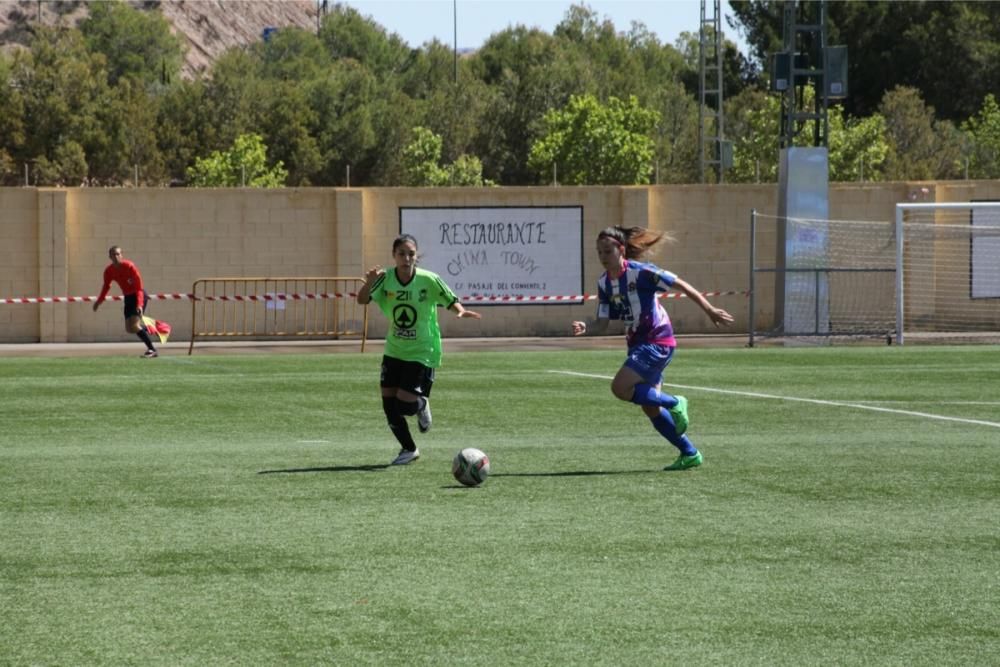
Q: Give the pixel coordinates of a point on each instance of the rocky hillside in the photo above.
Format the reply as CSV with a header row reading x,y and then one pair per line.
x,y
208,26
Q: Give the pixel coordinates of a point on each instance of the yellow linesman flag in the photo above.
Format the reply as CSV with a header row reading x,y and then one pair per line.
x,y
160,328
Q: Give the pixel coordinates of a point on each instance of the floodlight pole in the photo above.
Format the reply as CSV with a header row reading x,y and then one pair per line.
x,y
454,20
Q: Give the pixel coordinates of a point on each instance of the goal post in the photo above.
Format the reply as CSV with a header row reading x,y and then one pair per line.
x,y
932,274
844,289
948,272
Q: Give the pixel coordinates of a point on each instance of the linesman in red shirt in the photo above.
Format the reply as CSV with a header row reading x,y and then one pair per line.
x,y
127,275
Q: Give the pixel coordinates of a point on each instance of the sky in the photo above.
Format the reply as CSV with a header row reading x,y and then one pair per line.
x,y
419,21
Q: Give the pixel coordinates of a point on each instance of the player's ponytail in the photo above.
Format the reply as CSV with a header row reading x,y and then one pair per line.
x,y
636,242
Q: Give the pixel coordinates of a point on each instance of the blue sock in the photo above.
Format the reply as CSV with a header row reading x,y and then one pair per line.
x,y
647,394
664,424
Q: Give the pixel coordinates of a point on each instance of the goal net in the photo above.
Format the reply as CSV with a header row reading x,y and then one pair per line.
x,y
949,261
856,280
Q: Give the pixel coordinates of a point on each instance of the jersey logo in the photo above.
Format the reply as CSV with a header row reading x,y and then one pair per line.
x,y
423,296
404,316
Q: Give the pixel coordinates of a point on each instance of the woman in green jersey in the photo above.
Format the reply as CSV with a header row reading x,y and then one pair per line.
x,y
409,297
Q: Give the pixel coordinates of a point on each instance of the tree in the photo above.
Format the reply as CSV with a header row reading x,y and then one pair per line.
x,y
920,147
62,88
676,134
245,164
349,105
593,144
129,140
753,120
137,44
456,111
738,72
185,126
286,124
233,96
525,70
12,125
858,147
983,140
950,51
291,54
68,165
422,158
347,34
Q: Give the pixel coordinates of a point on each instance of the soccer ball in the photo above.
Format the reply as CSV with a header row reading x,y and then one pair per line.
x,y
470,466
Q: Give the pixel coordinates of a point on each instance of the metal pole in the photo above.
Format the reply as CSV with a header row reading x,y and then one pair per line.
x,y
721,128
26,179
701,96
348,175
454,14
753,255
899,275
243,175
816,301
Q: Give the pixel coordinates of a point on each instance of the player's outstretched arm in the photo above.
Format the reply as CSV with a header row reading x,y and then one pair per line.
x,y
460,311
597,327
717,315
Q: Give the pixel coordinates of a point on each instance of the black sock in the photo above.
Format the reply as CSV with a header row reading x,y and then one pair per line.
x,y
409,408
397,423
144,337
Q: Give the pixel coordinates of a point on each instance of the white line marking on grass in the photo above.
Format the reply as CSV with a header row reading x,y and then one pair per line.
x,y
313,442
814,401
946,402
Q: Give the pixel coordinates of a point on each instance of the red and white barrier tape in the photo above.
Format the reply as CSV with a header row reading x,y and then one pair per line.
x,y
85,299
335,295
275,297
588,297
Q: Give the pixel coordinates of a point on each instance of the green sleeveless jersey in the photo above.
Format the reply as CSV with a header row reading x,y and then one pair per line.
x,y
414,334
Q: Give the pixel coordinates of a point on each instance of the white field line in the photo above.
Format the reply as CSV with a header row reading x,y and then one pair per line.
x,y
946,402
814,401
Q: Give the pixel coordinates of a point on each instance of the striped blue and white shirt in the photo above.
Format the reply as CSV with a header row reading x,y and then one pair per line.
x,y
632,298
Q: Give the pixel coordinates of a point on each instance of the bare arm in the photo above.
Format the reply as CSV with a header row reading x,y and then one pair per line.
x,y
596,326
460,311
717,315
365,293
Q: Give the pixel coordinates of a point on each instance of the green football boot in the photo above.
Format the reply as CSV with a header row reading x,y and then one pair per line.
x,y
684,462
679,413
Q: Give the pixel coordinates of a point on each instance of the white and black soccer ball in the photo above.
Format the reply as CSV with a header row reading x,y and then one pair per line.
x,y
470,466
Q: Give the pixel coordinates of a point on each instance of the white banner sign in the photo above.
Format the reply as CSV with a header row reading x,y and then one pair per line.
x,y
501,252
985,254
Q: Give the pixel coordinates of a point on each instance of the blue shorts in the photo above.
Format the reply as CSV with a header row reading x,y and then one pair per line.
x,y
649,360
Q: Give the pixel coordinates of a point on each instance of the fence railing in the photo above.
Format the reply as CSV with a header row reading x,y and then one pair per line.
x,y
267,308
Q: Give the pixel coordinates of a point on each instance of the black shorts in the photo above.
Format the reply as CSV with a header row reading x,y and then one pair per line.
x,y
131,309
411,376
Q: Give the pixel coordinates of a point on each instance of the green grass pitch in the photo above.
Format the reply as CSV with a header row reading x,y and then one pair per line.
x,y
238,510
